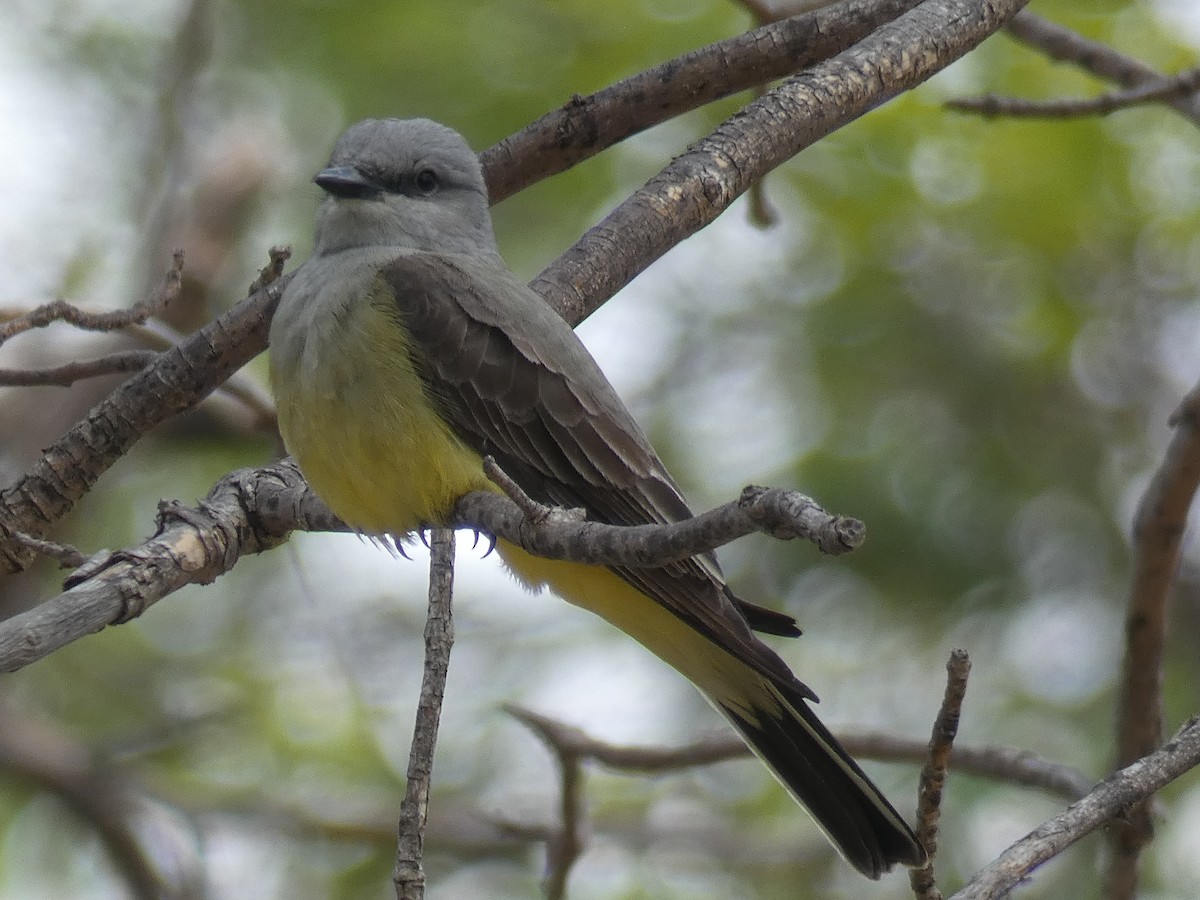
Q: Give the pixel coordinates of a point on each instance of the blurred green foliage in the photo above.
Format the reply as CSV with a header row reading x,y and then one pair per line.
x,y
967,332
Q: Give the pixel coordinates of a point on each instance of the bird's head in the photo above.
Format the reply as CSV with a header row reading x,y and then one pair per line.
x,y
408,183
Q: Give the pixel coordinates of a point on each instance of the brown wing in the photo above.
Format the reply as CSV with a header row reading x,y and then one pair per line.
x,y
515,382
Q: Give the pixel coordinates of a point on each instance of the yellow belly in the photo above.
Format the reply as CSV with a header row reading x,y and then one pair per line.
x,y
355,416
396,474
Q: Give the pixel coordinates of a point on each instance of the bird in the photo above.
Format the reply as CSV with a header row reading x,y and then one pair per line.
x,y
404,350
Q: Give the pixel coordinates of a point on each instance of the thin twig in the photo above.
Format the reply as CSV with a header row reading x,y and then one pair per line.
x,y
565,842
277,257
1172,88
245,390
1000,763
409,873
557,533
68,373
534,512
1007,764
1062,44
1108,802
645,760
61,311
67,556
933,773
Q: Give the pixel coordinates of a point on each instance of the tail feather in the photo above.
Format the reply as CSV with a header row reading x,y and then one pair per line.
x,y
822,776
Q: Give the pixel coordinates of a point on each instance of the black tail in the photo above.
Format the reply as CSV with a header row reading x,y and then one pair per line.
x,y
812,765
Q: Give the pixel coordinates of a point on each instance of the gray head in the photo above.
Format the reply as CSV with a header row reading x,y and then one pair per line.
x,y
408,183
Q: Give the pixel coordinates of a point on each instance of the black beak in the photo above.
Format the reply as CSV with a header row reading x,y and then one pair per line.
x,y
347,183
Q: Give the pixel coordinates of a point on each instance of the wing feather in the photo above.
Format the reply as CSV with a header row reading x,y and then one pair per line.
x,y
513,380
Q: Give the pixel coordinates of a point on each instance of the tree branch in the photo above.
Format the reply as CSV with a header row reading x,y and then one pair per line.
x,y
584,126
61,311
248,511
933,773
1158,529
69,373
566,841
178,381
999,763
409,874
103,797
252,510
1063,44
1007,764
1110,800
702,182
990,105
555,533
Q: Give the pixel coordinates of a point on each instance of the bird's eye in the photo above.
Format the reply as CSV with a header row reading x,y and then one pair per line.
x,y
427,181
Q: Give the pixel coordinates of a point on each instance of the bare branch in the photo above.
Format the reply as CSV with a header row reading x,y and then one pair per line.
x,y
61,311
101,796
555,533
181,378
68,557
532,511
250,511
702,182
1063,44
933,773
1000,763
245,388
1172,88
1158,529
584,126
67,374
1008,764
645,760
277,258
1110,799
566,842
246,512
409,874
1100,803
159,336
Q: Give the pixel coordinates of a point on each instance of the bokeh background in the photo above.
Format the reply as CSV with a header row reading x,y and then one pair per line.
x,y
969,333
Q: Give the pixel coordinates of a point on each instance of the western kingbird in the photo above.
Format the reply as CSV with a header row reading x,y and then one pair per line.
x,y
404,350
